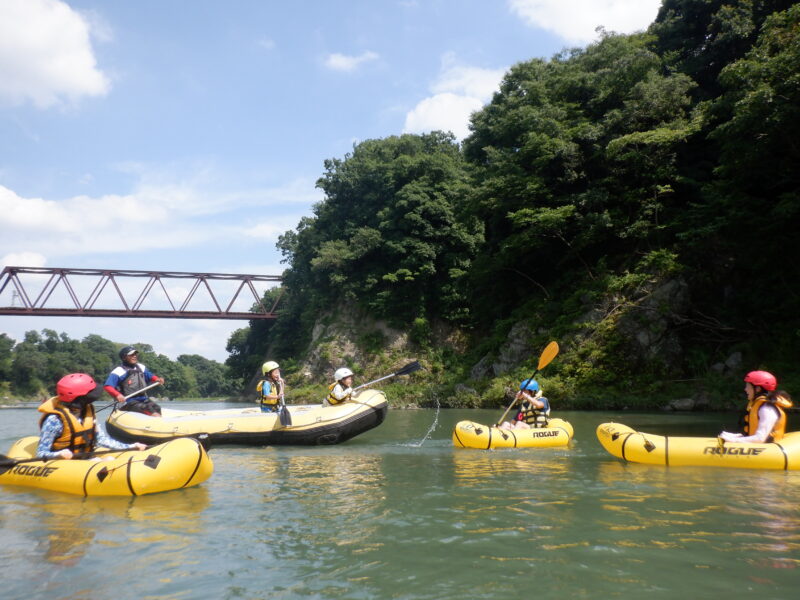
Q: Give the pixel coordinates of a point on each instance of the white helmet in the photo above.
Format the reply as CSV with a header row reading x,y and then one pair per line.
x,y
342,373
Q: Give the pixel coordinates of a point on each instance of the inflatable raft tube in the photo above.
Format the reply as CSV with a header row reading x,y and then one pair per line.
x,y
469,434
312,425
635,446
173,465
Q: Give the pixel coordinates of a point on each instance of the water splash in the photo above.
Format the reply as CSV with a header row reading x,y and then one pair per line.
x,y
432,428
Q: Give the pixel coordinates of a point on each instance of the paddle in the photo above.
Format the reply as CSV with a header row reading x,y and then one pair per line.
x,y
548,354
283,413
131,395
409,368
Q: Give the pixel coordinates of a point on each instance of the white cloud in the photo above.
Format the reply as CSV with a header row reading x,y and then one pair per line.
x,y
458,92
468,81
265,230
447,112
156,214
576,20
99,28
46,54
296,191
273,227
343,62
22,259
73,216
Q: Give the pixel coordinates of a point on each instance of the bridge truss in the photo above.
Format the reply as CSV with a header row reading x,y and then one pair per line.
x,y
110,293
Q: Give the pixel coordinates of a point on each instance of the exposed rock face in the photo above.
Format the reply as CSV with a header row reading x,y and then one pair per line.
x,y
732,364
344,338
650,324
333,345
682,404
483,368
515,351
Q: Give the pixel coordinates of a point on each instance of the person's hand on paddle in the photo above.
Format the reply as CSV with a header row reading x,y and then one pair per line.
x,y
66,454
140,446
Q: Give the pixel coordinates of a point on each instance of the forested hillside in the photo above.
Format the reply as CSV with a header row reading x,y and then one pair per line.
x,y
30,367
636,200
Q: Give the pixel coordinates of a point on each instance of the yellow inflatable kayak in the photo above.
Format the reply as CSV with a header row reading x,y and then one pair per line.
x,y
635,446
311,425
468,434
176,464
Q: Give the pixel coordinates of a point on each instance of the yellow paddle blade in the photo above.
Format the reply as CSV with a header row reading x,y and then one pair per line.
x,y
548,354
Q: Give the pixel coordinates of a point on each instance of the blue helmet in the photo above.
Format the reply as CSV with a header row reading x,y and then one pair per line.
x,y
529,384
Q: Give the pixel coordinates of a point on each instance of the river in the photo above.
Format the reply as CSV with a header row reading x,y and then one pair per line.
x,y
386,515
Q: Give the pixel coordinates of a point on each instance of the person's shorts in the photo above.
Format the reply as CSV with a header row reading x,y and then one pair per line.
x,y
271,409
147,407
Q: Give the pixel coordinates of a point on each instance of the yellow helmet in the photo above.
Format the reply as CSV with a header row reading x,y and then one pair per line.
x,y
268,366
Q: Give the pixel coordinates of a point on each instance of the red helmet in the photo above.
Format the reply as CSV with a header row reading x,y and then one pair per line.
x,y
762,378
74,386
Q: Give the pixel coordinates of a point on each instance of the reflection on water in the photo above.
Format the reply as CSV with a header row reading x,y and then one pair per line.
x,y
383,517
477,466
64,530
717,518
72,526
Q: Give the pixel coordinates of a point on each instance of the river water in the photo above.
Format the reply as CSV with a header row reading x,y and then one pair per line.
x,y
385,516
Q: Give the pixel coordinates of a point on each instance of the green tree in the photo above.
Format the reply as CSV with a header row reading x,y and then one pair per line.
x,y
6,359
212,378
701,37
34,366
391,233
248,346
574,167
179,380
750,208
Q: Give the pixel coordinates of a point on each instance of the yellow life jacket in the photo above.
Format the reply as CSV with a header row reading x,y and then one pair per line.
x,y
75,436
751,416
535,417
333,399
267,387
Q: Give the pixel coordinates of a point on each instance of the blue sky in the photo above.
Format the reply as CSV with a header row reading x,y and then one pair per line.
x,y
187,136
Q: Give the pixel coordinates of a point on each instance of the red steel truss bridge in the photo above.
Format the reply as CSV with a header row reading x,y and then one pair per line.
x,y
117,293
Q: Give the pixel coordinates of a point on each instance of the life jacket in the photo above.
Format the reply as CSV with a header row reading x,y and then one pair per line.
x,y
267,387
75,436
133,381
333,399
535,417
751,416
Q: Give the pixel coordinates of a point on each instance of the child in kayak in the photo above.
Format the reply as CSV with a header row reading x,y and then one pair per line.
x,y
765,415
534,408
68,423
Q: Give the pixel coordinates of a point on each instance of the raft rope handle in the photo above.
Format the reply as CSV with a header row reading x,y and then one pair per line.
x,y
106,471
648,445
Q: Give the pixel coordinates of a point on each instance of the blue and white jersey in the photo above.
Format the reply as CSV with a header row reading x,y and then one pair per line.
x,y
128,380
